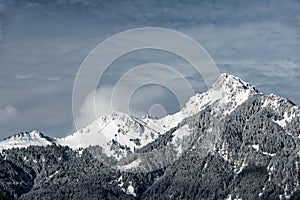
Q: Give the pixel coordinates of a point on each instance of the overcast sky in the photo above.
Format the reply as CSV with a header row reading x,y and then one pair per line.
x,y
43,45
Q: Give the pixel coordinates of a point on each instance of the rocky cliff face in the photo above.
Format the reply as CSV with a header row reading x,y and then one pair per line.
x,y
231,142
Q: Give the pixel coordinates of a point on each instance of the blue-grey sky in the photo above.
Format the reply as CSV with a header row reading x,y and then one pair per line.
x,y
43,44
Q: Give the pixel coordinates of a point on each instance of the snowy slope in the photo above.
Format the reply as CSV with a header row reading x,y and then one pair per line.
x,y
129,133
226,94
119,134
26,139
285,113
258,141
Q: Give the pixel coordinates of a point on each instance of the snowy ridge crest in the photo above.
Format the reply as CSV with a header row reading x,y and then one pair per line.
x,y
26,139
130,133
119,134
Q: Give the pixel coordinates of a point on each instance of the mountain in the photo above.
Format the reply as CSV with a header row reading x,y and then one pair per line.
x,y
26,139
230,142
119,134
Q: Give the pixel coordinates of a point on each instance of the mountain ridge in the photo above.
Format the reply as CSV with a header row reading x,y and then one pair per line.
x,y
228,89
231,142
154,127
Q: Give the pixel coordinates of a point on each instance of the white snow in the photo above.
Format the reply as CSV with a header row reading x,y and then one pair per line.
x,y
120,179
80,152
261,193
256,147
224,151
123,130
56,172
118,127
20,140
270,171
229,197
131,165
242,167
130,189
286,119
225,95
121,183
272,100
269,154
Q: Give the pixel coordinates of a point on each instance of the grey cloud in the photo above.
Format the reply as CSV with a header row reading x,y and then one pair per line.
x,y
7,113
46,41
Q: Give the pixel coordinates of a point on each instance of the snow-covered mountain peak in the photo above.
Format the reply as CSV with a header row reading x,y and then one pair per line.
x,y
26,139
117,133
26,136
231,84
226,94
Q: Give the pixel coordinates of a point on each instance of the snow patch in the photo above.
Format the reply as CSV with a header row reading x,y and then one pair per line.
x,y
131,165
242,167
256,147
130,189
286,119
269,154
52,175
229,197
224,151
272,101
